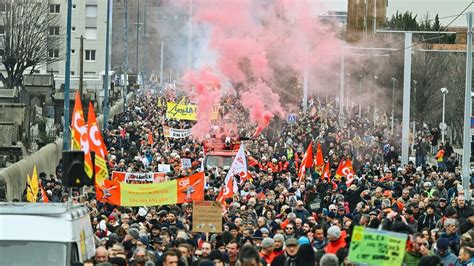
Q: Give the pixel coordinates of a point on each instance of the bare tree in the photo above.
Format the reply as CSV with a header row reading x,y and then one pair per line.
x,y
31,38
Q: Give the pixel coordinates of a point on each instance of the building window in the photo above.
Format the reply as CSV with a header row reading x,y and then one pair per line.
x,y
54,53
87,73
91,11
73,51
73,73
73,6
54,8
73,29
91,33
90,55
2,29
3,7
54,31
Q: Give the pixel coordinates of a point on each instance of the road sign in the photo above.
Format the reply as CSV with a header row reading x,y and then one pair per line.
x,y
291,118
443,126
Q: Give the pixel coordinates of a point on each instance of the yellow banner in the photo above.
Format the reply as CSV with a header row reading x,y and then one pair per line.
x,y
187,111
181,111
149,194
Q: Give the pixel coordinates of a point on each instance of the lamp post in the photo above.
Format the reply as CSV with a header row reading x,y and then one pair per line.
x,y
443,126
375,103
394,80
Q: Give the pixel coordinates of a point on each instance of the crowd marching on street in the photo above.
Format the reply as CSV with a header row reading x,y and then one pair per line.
x,y
281,214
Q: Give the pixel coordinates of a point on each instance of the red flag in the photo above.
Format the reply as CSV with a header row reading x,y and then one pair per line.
x,y
306,162
97,145
43,194
348,172
319,165
326,174
226,192
339,172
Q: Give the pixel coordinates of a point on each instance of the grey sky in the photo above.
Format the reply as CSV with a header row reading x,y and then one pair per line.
x,y
444,8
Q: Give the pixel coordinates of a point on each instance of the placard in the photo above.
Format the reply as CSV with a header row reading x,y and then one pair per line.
x,y
207,216
186,163
164,168
377,247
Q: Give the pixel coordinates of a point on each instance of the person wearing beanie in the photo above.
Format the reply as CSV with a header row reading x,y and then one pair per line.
x,y
279,243
442,251
336,242
428,219
289,257
267,250
303,240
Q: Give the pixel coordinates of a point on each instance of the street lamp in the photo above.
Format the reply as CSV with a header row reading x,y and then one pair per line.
x,y
375,103
443,126
393,103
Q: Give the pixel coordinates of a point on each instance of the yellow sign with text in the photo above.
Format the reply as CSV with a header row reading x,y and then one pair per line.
x,y
181,111
149,194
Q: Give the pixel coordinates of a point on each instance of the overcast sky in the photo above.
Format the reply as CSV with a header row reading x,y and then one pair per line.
x,y
444,8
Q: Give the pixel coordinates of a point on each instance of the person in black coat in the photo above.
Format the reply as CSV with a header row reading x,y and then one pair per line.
x,y
353,194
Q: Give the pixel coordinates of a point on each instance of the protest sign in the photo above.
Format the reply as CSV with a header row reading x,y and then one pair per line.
x,y
186,163
181,111
127,177
377,247
207,216
176,133
164,168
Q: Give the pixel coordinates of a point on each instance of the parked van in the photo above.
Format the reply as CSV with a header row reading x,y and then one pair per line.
x,y
45,234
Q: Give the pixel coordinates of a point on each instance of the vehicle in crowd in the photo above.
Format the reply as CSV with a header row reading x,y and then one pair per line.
x,y
45,234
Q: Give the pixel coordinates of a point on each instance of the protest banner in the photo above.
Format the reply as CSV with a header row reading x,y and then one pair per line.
x,y
166,168
186,189
377,247
181,111
151,177
186,163
207,217
176,133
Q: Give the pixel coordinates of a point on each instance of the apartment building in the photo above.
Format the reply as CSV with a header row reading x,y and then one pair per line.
x,y
88,20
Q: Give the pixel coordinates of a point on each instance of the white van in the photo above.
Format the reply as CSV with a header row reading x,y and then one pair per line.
x,y
45,234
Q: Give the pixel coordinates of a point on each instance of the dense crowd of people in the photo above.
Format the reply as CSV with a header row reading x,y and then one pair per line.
x,y
275,219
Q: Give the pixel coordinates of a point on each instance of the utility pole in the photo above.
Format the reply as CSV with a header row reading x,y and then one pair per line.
x,y
393,105
138,35
81,66
466,156
125,64
67,79
106,76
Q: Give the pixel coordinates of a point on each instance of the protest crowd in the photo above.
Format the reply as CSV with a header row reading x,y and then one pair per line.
x,y
277,218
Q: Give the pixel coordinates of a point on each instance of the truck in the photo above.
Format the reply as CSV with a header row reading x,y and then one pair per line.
x,y
220,153
45,233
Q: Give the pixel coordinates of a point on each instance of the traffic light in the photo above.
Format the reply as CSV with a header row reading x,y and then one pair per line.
x,y
73,169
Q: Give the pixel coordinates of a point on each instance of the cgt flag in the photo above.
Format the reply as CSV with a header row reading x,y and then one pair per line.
x,y
307,162
319,164
186,189
80,135
326,174
97,145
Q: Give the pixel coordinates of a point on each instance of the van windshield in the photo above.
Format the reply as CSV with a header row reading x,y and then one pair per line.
x,y
224,162
14,252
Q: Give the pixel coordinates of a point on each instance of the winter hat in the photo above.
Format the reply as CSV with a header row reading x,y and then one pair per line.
x,y
114,237
205,262
334,231
279,237
450,211
143,238
303,240
442,244
133,232
264,230
267,242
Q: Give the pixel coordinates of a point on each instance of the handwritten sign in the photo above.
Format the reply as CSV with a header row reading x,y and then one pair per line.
x,y
166,168
207,217
181,111
377,247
